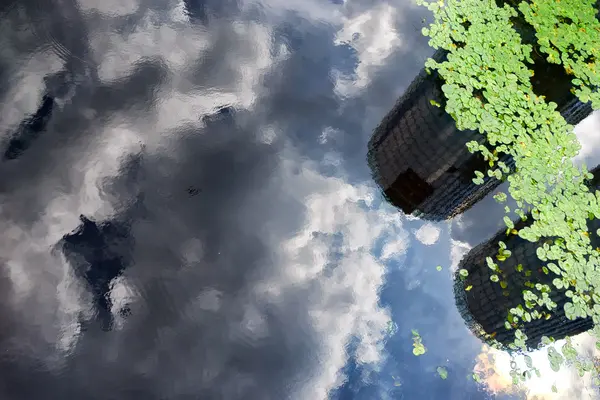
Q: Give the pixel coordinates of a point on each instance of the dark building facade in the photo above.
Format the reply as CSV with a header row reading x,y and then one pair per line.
x,y
486,305
203,11
419,158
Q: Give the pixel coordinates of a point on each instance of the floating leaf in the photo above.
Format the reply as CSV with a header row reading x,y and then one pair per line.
x,y
419,350
509,223
558,283
570,311
545,270
442,372
519,268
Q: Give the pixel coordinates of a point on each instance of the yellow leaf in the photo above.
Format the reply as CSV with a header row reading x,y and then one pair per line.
x,y
469,288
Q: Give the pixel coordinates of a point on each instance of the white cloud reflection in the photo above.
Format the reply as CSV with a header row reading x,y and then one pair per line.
x,y
271,271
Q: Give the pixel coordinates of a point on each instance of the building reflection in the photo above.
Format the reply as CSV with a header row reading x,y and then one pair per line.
x,y
419,158
485,306
203,11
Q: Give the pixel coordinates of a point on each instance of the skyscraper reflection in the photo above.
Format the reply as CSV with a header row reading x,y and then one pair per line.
x,y
486,304
419,158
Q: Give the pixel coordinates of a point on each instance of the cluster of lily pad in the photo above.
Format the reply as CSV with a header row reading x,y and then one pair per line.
x,y
487,87
568,33
418,346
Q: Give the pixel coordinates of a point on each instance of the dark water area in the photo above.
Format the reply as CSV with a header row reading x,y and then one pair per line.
x,y
30,129
187,212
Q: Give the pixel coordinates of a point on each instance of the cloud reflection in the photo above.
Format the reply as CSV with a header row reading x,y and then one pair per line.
x,y
245,269
218,150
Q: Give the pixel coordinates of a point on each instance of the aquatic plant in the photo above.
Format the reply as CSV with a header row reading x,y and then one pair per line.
x,y
442,372
418,346
493,47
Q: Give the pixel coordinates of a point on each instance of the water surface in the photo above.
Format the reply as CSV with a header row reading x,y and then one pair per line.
x,y
186,211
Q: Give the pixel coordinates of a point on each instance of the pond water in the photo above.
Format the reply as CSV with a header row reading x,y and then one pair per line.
x,y
187,212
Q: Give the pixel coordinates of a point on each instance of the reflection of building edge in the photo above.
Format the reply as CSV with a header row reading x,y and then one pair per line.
x,y
484,308
420,160
418,157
